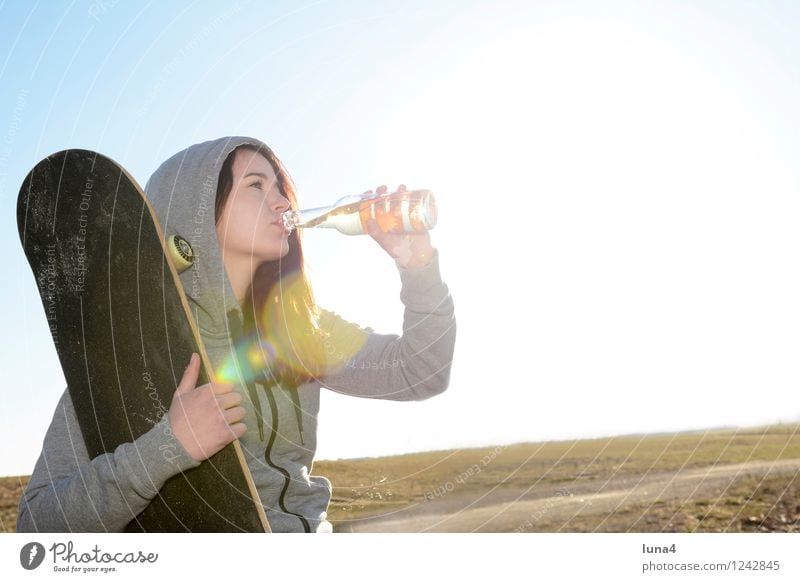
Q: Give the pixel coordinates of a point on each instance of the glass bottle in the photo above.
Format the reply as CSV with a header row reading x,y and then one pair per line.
x,y
406,211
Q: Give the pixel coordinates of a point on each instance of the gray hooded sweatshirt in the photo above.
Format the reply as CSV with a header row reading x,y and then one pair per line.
x,y
70,492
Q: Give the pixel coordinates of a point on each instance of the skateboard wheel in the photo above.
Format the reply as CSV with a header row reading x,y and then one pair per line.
x,y
181,253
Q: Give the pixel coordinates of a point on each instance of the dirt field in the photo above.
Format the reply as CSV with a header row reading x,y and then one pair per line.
x,y
717,481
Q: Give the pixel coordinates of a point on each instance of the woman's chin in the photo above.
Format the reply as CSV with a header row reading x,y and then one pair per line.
x,y
277,255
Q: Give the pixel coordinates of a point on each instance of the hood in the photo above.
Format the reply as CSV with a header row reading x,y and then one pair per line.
x,y
183,192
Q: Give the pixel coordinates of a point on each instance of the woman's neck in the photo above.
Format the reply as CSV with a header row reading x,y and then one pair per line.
x,y
240,270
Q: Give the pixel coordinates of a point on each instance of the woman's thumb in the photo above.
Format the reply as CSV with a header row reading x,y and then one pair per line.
x,y
190,374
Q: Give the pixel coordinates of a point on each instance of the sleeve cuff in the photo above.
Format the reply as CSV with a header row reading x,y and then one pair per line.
x,y
422,286
157,457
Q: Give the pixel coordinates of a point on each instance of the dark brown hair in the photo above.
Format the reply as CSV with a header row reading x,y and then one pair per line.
x,y
280,312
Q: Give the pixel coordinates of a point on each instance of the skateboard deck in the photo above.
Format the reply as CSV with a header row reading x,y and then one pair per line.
x,y
123,330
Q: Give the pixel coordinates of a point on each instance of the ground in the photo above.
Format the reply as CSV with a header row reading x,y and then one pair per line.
x,y
713,481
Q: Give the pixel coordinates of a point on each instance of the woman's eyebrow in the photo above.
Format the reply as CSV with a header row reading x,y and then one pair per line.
x,y
256,174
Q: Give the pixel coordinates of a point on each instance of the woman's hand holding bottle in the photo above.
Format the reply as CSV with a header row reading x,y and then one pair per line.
x,y
408,250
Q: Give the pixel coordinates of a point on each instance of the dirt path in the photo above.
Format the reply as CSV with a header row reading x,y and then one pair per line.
x,y
501,510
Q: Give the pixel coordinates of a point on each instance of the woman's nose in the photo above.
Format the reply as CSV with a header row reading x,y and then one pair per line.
x,y
280,204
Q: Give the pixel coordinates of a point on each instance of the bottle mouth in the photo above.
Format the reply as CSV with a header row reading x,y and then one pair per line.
x,y
290,218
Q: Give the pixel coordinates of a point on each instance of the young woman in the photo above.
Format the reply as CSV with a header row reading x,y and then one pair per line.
x,y
272,349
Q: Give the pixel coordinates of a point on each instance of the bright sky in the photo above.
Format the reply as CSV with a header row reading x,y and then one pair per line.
x,y
618,192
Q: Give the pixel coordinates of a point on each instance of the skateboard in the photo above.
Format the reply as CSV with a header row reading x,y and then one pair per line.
x,y
123,330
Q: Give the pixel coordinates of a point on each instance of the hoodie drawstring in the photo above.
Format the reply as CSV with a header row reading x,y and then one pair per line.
x,y
253,391
298,414
237,332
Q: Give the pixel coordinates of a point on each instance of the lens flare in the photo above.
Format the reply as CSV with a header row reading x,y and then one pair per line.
x,y
293,339
249,360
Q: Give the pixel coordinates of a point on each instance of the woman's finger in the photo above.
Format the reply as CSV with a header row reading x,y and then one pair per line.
x,y
221,387
234,415
229,400
190,374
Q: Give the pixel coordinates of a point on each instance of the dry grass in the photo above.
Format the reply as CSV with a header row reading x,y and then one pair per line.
x,y
377,486
368,487
751,504
11,489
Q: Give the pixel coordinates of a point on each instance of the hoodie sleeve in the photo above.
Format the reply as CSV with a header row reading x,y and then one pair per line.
x,y
68,492
414,366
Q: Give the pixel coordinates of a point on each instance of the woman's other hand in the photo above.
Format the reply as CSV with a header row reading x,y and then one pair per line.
x,y
205,418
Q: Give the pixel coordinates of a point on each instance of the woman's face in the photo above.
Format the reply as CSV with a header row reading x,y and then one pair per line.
x,y
250,223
